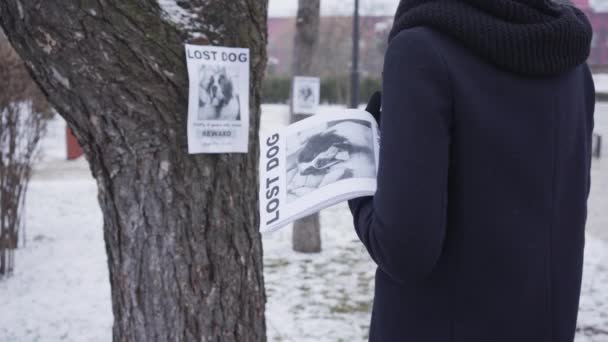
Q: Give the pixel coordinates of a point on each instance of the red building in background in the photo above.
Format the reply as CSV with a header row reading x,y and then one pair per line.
x,y
334,41
373,29
599,21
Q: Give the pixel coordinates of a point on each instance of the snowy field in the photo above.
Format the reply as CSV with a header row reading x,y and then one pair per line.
x,y
60,290
601,83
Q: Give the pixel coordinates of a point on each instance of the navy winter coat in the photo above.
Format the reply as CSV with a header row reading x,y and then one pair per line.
x,y
477,226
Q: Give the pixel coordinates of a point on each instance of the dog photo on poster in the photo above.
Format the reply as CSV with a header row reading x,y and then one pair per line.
x,y
218,105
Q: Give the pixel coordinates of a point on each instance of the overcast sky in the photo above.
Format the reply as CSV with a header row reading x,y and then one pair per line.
x,y
284,8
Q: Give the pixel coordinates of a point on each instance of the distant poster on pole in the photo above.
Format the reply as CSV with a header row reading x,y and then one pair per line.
x,y
306,95
218,104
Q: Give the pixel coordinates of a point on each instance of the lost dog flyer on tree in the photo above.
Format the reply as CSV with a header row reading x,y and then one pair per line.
x,y
306,95
218,108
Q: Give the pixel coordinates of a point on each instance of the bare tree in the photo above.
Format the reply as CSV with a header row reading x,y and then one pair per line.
x,y
22,124
181,231
306,231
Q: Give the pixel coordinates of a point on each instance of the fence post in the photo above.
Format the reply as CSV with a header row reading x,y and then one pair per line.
x,y
73,147
597,146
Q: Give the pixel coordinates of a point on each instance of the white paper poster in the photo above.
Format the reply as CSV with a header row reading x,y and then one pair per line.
x,y
315,163
218,107
306,94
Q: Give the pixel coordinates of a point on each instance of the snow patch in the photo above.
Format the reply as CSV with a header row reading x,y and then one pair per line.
x,y
601,83
20,9
177,14
64,81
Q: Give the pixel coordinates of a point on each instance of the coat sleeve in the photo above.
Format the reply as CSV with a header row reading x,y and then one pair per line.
x,y
403,226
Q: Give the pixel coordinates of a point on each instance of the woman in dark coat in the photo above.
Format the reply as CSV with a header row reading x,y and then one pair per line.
x,y
477,226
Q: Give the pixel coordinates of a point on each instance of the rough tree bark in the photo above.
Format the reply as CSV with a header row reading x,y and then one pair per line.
x,y
181,230
306,231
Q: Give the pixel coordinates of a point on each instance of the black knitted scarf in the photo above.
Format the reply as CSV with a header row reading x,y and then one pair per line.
x,y
531,37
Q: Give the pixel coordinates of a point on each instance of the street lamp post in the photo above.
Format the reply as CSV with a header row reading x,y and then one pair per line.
x,y
354,85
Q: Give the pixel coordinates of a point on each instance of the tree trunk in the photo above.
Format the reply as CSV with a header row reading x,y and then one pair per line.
x,y
307,231
307,36
181,231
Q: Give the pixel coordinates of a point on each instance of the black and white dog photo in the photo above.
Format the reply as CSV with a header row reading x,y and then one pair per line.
x,y
218,97
340,150
306,96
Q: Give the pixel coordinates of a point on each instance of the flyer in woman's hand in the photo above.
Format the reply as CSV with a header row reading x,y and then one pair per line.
x,y
316,163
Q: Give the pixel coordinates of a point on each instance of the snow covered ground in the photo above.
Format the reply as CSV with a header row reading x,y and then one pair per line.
x,y
601,83
60,290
